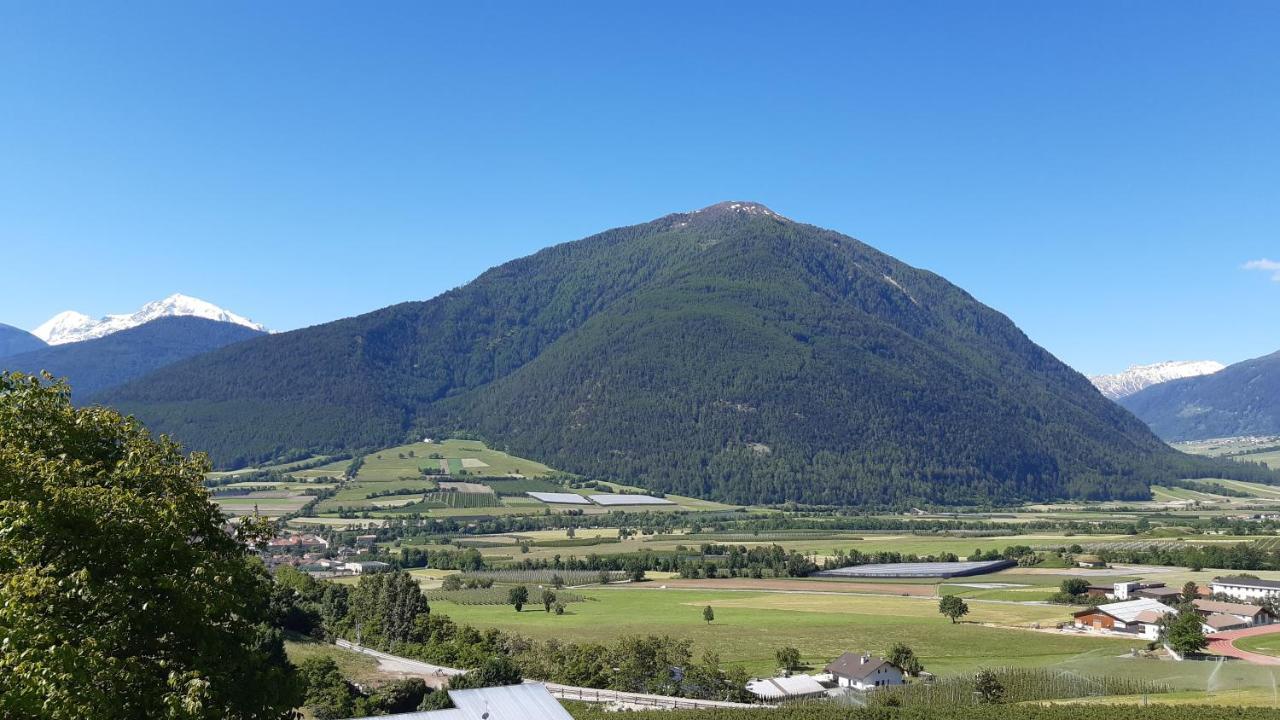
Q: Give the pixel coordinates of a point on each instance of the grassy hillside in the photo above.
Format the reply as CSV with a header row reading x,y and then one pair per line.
x,y
728,353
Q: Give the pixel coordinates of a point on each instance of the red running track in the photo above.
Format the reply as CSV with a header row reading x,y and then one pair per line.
x,y
1222,643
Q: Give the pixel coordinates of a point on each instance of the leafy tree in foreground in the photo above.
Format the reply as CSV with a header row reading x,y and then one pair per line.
x,y
548,600
121,595
953,607
988,687
1185,631
708,614
1190,591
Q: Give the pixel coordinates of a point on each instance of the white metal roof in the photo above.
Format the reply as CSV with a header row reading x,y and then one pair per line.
x,y
785,687
617,499
530,701
558,497
1129,610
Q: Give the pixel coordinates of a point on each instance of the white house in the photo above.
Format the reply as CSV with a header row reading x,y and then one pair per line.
x,y
1246,589
864,671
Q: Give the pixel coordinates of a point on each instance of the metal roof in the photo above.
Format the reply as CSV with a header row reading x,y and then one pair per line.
x,y
616,499
1247,582
925,569
560,498
1129,610
530,701
779,688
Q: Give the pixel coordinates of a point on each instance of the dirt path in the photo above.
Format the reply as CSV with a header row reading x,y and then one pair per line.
x,y
1223,643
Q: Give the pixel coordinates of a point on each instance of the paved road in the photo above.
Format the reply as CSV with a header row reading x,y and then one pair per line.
x,y
1223,643
436,675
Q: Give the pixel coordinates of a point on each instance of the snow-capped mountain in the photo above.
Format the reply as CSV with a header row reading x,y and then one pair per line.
x,y
1138,377
71,326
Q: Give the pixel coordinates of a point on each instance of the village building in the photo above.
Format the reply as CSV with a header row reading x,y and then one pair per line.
x,y
530,701
786,688
303,541
863,671
1243,614
366,541
1247,589
1139,617
361,567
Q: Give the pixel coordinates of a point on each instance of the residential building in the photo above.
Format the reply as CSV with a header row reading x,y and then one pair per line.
x,y
863,671
366,541
1139,617
1248,615
1247,589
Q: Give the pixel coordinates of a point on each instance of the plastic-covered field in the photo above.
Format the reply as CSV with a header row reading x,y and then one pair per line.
x,y
919,570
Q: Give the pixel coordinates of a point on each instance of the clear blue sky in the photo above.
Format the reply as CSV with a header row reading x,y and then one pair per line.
x,y
1099,171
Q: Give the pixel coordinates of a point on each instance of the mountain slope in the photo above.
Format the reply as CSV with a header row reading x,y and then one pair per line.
x,y
14,340
1243,399
71,326
1139,377
102,363
728,353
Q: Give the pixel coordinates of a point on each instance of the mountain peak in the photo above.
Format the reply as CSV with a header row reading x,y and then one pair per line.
x,y
1139,377
71,326
738,207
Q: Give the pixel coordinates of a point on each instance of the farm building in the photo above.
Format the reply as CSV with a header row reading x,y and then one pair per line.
x,y
864,671
1139,617
611,499
366,566
1090,561
366,540
530,701
786,688
1241,588
559,498
1247,615
926,569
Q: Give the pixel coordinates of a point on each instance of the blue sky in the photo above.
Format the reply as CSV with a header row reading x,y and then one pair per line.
x,y
1099,171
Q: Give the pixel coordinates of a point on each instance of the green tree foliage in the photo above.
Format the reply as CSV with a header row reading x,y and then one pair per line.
x,y
708,614
788,658
1074,586
121,595
1184,630
953,607
987,686
721,354
495,671
327,694
518,596
904,657
384,609
548,599
1190,591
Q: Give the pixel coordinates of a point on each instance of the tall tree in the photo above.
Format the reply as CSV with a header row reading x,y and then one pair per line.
x,y
953,607
121,594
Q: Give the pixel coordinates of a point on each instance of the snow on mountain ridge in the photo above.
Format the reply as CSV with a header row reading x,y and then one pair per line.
x,y
1139,377
71,326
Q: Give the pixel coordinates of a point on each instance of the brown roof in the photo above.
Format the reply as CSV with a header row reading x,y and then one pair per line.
x,y
1223,622
1149,616
851,666
1218,607
1159,592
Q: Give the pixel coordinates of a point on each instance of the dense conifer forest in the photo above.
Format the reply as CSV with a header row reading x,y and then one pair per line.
x,y
728,353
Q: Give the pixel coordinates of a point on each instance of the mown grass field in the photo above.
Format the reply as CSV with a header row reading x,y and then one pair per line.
x,y
1261,644
750,626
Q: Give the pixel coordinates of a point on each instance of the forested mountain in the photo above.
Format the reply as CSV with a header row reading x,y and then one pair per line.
x,y
95,365
15,340
1243,399
728,353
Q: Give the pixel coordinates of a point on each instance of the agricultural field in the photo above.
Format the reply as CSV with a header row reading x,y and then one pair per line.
x,y
268,503
469,456
750,626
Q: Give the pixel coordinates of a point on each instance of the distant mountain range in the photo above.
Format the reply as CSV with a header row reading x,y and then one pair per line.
x,y
105,362
728,353
71,326
1138,377
1242,399
14,341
